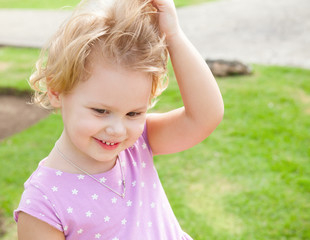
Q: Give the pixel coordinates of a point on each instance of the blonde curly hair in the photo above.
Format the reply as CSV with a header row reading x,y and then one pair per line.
x,y
124,32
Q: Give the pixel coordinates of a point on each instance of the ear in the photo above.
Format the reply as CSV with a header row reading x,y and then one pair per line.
x,y
54,97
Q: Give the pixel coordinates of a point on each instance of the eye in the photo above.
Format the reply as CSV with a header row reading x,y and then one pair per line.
x,y
133,114
100,111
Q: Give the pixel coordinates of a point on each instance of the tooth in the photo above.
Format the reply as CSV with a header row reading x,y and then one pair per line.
x,y
108,143
112,144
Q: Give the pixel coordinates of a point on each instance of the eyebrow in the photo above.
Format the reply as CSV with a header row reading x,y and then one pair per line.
x,y
105,106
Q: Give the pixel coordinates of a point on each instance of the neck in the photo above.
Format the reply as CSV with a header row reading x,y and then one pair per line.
x,y
83,171
92,166
64,157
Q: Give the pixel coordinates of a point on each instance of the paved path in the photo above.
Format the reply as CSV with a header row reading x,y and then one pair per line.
x,y
253,31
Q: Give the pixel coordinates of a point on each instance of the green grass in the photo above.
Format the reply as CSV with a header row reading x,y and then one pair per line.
x,y
68,4
249,180
37,4
16,65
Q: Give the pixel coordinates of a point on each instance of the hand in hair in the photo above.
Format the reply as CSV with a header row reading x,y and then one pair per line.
x,y
168,20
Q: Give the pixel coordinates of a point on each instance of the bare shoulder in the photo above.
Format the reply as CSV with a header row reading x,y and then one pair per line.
x,y
31,228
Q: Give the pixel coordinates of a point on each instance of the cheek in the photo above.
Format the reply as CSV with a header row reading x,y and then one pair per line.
x,y
89,125
81,125
136,128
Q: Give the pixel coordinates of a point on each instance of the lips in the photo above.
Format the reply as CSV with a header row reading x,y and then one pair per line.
x,y
107,144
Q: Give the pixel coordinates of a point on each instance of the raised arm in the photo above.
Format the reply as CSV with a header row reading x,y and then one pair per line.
x,y
203,108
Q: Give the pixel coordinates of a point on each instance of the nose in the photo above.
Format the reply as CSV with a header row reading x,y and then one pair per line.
x,y
115,128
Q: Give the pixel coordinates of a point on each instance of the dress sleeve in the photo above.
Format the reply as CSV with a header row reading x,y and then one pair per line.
x,y
145,138
35,203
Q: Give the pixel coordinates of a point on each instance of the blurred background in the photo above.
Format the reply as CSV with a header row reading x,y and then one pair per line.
x,y
251,178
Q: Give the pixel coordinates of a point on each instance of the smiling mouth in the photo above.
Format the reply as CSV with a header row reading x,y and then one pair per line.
x,y
107,145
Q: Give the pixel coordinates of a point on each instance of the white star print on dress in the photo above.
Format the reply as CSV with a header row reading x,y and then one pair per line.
x,y
88,213
120,182
70,210
94,197
129,203
81,177
75,192
86,210
103,180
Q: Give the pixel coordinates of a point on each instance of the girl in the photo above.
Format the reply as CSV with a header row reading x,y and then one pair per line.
x,y
104,68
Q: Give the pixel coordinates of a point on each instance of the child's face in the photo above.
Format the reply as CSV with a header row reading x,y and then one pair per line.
x,y
105,114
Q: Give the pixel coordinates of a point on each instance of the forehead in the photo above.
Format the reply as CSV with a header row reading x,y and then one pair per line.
x,y
115,85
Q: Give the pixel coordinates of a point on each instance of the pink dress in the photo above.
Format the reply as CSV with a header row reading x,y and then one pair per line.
x,y
83,209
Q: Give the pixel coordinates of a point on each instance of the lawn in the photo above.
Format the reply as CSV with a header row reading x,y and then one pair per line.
x,y
249,180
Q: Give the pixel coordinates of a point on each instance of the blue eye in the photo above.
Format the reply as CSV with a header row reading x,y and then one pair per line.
x,y
100,111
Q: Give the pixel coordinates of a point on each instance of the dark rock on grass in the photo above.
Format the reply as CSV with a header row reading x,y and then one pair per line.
x,y
223,68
